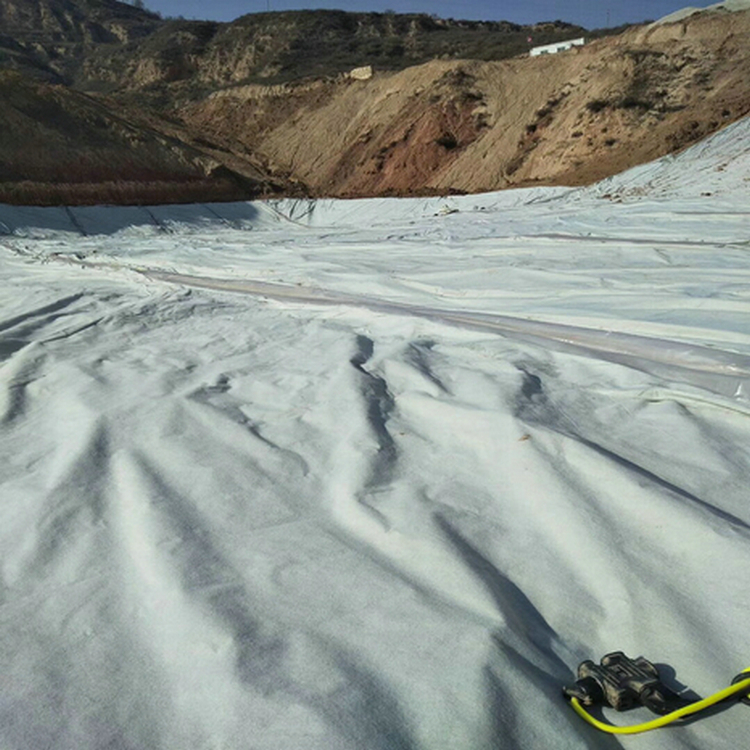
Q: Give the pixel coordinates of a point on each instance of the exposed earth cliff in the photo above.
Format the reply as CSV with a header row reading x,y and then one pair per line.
x,y
263,104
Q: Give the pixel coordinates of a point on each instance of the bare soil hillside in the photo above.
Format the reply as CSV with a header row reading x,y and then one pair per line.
x,y
60,146
444,126
148,110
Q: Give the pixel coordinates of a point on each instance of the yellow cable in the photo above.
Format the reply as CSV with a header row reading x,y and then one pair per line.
x,y
739,687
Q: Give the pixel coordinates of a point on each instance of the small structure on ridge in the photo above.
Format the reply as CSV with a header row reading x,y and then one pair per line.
x,y
551,49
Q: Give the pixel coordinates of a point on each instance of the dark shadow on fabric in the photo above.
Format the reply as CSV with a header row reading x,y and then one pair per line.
x,y
379,404
521,615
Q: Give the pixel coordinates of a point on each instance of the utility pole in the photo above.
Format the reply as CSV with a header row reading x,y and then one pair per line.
x,y
607,18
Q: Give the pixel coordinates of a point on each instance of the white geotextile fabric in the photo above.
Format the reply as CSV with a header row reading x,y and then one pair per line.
x,y
732,6
374,474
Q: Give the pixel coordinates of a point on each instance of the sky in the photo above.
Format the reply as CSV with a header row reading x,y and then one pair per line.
x,y
588,13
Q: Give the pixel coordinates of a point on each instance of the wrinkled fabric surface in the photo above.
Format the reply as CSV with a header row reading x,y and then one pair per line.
x,y
375,474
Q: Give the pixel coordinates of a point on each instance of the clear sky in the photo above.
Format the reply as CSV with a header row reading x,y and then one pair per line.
x,y
588,13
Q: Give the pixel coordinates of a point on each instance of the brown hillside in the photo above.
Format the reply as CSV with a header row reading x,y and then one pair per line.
x,y
293,45
50,38
105,45
190,114
570,118
60,146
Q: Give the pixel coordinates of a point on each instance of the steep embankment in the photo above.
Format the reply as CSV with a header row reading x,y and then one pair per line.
x,y
60,146
189,102
571,118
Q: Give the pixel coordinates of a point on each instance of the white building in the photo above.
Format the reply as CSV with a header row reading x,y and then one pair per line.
x,y
551,49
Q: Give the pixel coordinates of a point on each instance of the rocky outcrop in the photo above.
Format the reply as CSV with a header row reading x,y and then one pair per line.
x,y
51,38
75,21
281,47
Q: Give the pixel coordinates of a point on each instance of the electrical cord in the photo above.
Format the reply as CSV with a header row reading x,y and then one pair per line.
x,y
743,686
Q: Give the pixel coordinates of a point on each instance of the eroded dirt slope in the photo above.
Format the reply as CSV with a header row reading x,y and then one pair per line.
x,y
447,126
61,146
